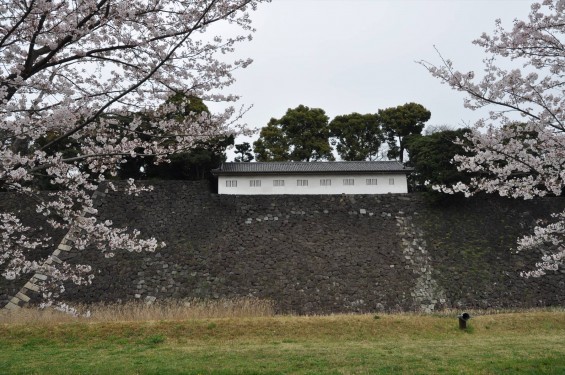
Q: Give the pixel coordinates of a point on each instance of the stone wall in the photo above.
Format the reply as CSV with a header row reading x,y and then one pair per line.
x,y
322,254
24,207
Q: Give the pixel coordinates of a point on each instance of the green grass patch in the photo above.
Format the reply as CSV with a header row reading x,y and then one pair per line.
x,y
523,343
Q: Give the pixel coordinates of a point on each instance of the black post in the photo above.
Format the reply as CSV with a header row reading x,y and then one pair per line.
x,y
463,320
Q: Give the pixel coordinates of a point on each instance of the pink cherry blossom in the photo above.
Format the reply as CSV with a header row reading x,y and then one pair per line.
x,y
69,70
519,150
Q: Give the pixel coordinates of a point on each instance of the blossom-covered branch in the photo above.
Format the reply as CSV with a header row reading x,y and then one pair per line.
x,y
519,150
80,81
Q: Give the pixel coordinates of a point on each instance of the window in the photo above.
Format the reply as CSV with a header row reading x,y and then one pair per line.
x,y
391,181
278,182
371,181
255,183
301,182
231,183
325,182
349,181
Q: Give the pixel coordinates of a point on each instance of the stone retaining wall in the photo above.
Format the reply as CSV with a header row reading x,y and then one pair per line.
x,y
322,254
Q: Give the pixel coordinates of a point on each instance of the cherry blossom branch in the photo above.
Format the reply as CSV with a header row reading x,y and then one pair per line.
x,y
521,157
71,74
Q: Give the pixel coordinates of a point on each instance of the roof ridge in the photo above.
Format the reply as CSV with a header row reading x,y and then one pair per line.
x,y
378,166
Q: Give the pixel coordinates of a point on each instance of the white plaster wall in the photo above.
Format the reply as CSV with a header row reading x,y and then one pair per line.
x,y
337,187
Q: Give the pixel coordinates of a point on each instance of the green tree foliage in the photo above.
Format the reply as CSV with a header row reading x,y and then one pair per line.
x,y
193,164
356,136
191,106
272,144
302,134
401,122
244,153
431,157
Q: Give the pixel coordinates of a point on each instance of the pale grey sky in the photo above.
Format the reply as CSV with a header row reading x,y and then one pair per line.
x,y
349,56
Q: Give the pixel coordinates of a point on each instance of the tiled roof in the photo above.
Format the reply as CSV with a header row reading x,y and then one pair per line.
x,y
312,167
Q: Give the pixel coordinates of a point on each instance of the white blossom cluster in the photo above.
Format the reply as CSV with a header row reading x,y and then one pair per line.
x,y
519,150
71,72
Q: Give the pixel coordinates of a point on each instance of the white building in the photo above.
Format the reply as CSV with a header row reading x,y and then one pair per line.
x,y
348,177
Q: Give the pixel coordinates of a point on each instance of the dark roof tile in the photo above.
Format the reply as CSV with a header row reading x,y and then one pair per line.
x,y
311,167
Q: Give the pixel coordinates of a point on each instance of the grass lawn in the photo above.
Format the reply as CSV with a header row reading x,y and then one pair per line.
x,y
526,342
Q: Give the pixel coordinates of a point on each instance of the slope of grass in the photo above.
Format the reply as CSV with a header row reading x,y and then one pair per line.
x,y
528,342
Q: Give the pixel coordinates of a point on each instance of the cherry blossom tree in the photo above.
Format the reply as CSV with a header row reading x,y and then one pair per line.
x,y
519,150
70,71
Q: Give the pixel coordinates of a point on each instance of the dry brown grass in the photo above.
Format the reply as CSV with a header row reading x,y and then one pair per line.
x,y
178,310
141,311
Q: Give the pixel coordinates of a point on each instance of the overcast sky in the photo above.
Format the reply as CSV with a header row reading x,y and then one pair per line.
x,y
349,56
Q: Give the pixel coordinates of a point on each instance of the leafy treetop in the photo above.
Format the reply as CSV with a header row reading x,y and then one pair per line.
x,y
357,136
300,135
244,152
401,122
431,157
